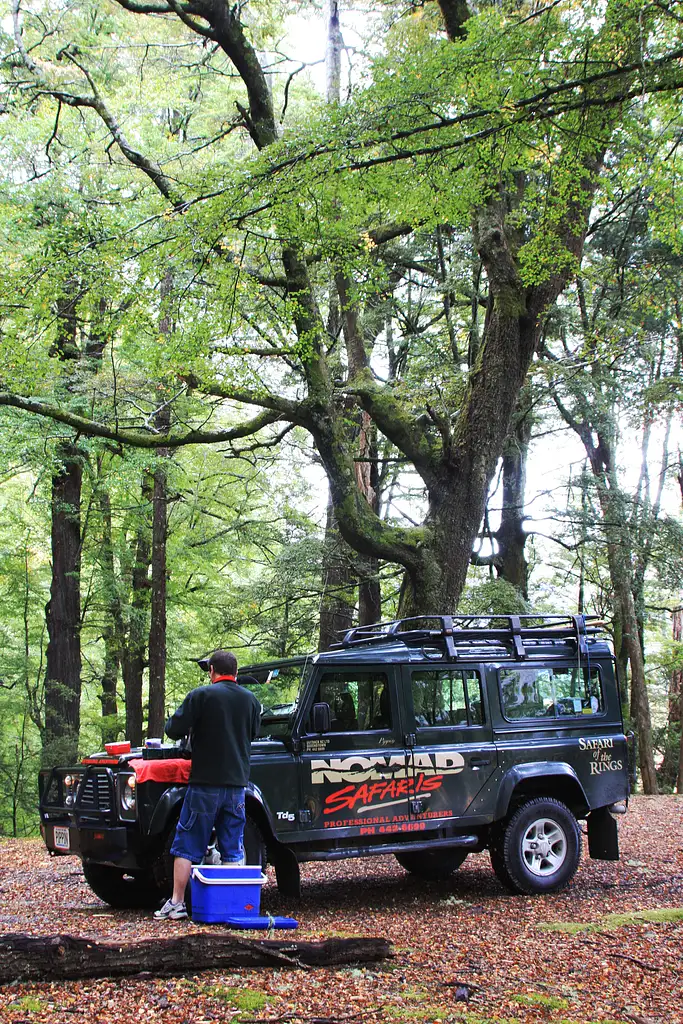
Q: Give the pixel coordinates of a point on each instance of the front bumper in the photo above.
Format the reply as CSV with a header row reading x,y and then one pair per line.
x,y
90,827
101,843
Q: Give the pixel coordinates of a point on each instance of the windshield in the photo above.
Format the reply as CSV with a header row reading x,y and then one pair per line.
x,y
278,688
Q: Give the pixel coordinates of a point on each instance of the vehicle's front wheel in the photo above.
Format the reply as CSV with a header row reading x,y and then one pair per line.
x,y
125,890
539,849
434,865
254,845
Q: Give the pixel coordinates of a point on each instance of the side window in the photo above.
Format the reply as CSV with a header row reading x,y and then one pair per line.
x,y
474,699
359,701
550,692
446,697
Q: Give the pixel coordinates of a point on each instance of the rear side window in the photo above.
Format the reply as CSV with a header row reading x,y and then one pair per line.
x,y
550,692
446,697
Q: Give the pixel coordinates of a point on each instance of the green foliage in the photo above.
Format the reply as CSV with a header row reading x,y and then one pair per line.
x,y
31,1004
611,922
246,1000
493,597
540,999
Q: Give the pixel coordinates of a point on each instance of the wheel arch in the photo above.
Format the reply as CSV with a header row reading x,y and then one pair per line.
x,y
167,808
257,810
541,779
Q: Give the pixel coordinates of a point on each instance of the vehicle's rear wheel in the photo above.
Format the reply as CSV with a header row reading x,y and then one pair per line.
x,y
539,849
125,890
432,864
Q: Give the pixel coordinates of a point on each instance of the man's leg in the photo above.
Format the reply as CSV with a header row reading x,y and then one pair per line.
x,y
189,845
230,822
181,876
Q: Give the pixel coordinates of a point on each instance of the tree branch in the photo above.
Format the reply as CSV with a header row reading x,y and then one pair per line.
x,y
396,424
190,22
133,155
137,438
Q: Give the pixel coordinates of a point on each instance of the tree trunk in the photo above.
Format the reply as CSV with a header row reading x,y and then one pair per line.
x,y
367,478
621,655
112,630
157,627
337,604
618,548
511,564
640,704
335,44
679,779
458,489
134,652
63,611
56,957
63,615
342,566
669,770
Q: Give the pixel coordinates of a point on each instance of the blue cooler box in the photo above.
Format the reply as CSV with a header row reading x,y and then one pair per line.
x,y
224,891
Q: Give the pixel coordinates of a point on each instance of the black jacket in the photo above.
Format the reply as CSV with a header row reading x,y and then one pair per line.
x,y
223,719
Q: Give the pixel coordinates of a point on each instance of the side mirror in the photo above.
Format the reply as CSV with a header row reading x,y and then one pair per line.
x,y
321,720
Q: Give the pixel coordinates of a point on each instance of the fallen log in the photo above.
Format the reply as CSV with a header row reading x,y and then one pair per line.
x,y
55,957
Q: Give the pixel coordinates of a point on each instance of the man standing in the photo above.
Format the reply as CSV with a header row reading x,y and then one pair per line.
x,y
223,719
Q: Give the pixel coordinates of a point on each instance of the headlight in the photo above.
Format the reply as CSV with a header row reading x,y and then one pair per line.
x,y
70,783
128,794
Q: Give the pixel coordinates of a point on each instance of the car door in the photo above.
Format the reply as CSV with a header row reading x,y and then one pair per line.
x,y
452,755
354,778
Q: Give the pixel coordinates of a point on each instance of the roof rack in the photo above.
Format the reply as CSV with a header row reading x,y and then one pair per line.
x,y
458,629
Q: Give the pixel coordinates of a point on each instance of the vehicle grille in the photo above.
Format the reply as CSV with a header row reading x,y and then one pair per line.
x,y
95,793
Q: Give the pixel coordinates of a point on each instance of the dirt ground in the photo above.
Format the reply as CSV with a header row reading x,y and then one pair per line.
x,y
559,958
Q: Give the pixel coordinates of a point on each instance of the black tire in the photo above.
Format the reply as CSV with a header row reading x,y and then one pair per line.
x,y
539,849
498,860
254,844
433,865
124,890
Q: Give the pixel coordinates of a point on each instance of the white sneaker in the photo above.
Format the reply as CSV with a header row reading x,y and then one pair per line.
x,y
174,911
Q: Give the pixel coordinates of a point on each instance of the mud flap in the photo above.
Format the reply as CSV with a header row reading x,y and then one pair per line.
x,y
603,837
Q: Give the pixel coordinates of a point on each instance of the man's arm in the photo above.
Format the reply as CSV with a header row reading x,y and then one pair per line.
x,y
256,719
182,720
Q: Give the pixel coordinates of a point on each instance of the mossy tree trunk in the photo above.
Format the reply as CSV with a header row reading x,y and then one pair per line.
x,y
134,655
63,614
63,611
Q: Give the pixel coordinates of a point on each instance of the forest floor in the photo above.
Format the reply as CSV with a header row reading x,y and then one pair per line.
x,y
607,949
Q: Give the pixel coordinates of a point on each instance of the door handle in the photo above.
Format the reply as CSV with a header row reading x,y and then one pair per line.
x,y
479,762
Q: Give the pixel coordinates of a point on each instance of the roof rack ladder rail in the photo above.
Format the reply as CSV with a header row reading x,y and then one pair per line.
x,y
347,639
516,629
447,629
580,627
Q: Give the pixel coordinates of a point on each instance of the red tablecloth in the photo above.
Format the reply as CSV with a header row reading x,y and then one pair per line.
x,y
172,769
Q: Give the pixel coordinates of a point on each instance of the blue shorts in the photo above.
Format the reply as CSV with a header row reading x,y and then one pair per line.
x,y
205,808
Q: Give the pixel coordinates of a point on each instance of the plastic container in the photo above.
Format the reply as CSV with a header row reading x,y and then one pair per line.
x,y
224,891
122,747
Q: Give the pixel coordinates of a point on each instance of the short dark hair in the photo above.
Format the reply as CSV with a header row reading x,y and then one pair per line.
x,y
223,662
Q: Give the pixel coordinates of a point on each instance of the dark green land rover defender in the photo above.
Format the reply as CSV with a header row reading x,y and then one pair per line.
x,y
427,738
